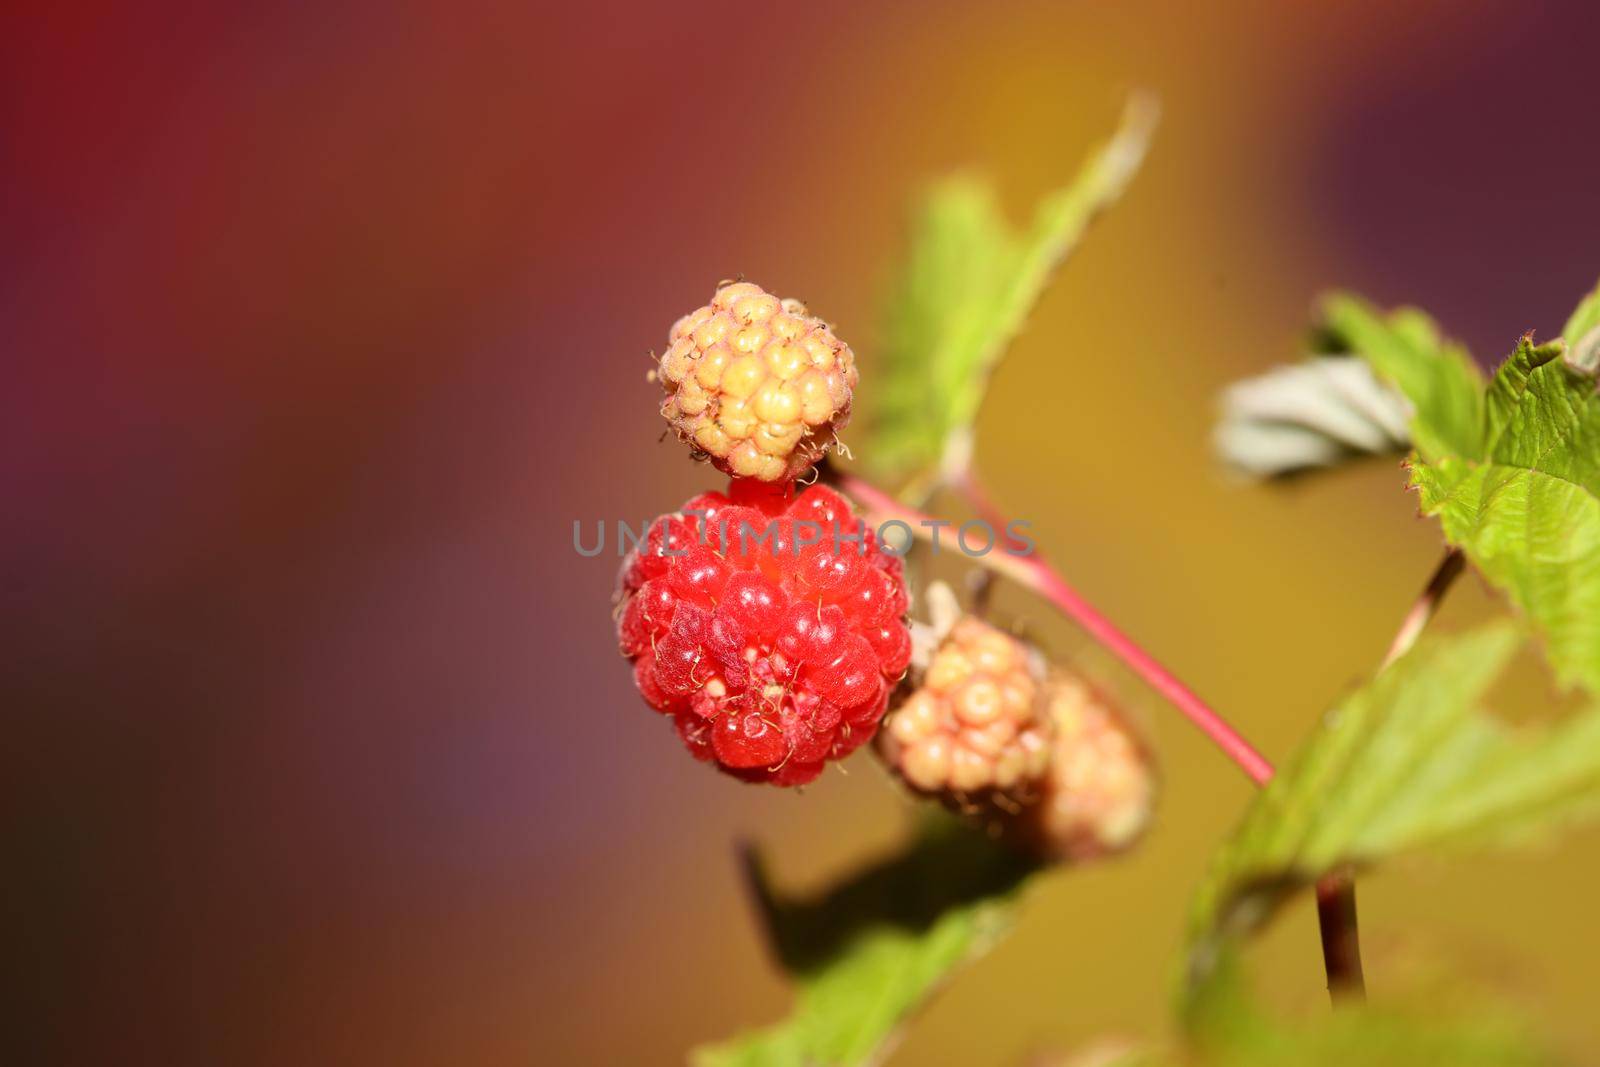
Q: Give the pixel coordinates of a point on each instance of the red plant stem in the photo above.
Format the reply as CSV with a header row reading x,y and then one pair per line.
x,y
1341,936
1336,892
1036,574
1425,605
1336,895
1055,589
1337,921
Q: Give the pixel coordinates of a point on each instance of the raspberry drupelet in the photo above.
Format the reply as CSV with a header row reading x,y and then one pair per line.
x,y
756,384
769,627
974,732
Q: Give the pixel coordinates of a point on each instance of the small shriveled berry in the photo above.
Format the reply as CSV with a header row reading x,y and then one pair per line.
x,y
1099,792
756,384
974,731
765,652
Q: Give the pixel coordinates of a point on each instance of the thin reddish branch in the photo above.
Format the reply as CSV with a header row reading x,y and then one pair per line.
x,y
971,490
1336,899
1036,574
1336,892
1425,605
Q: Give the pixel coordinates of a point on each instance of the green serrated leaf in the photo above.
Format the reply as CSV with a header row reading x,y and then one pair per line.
x,y
965,292
1582,333
869,953
1409,761
1513,471
1527,509
1436,375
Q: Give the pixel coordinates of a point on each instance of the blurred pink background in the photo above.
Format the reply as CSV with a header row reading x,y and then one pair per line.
x,y
323,323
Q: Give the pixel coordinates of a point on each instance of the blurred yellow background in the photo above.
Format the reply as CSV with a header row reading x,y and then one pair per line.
x,y
326,324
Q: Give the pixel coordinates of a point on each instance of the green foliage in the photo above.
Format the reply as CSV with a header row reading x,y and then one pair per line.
x,y
1408,761
966,291
1582,332
1227,1028
1511,467
1406,349
1526,509
870,951
1511,470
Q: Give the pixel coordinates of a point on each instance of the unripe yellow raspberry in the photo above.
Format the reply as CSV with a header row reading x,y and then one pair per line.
x,y
755,384
974,732
1098,793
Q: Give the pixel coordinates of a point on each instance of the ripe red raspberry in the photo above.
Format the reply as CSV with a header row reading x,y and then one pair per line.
x,y
756,384
975,732
770,639
1100,788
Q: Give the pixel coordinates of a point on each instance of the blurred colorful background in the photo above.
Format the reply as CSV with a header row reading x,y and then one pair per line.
x,y
322,323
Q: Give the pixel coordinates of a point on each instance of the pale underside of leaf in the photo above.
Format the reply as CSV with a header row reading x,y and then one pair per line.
x,y
1511,471
1406,349
1314,414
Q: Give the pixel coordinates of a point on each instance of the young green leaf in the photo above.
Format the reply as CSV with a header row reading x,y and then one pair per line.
x,y
1407,762
872,950
964,294
1436,375
1526,510
1511,472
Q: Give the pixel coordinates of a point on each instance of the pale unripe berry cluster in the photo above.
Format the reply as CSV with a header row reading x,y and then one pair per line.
x,y
756,384
975,724
1097,795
